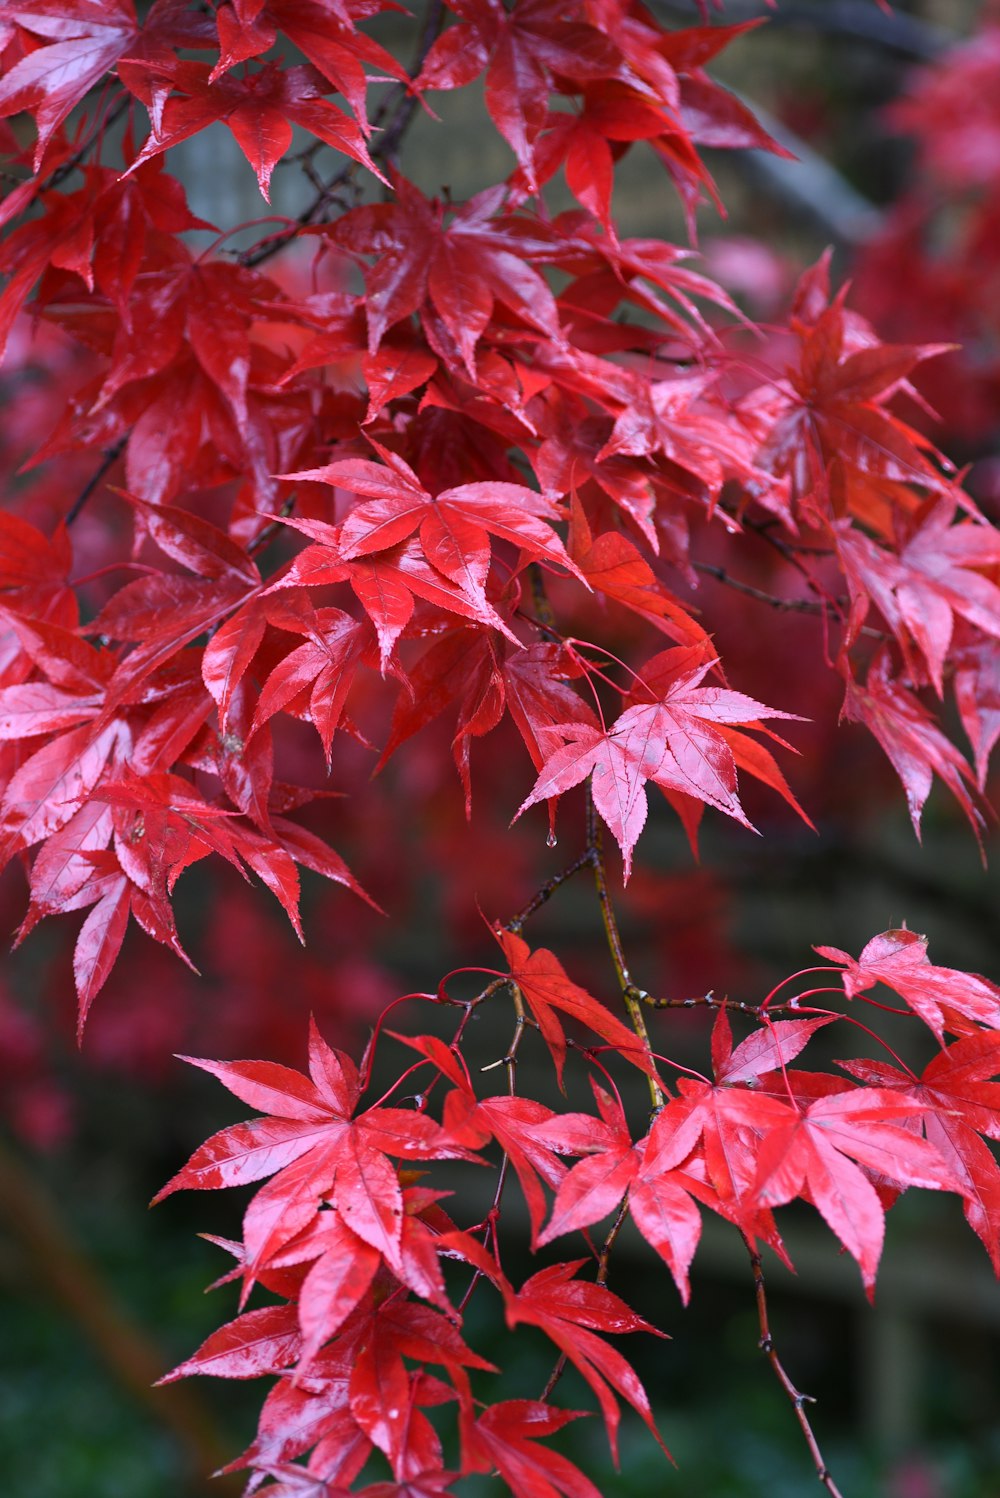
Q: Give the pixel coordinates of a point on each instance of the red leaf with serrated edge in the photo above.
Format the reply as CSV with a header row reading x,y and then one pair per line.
x,y
259,110
768,1049
571,1312
595,1185
514,1123
393,372
731,1123
324,666
943,997
452,525
504,1437
546,987
931,579
666,1215
315,1152
269,1088
311,851
457,272
333,1073
614,566
98,945
368,1197
336,1283
243,1153
539,698
192,541
50,80
912,740
275,868
229,653
962,1103
618,784
671,739
36,708
458,461
977,695
259,1342
813,1154
446,1058
51,786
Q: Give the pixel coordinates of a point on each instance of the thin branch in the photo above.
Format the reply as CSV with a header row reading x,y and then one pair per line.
x,y
509,1063
605,1255
111,456
395,112
544,894
544,616
113,115
272,530
798,1399
786,605
630,993
407,101
810,185
791,605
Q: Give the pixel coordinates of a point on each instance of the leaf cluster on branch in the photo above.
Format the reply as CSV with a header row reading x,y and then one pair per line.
x,y
465,460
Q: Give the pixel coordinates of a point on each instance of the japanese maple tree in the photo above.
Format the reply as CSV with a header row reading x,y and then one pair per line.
x,y
405,460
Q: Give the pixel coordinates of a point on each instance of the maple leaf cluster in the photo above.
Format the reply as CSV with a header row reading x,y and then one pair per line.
x,y
367,1262
433,464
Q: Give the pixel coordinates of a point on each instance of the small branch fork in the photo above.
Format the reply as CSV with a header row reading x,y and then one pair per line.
x,y
395,114
797,1398
783,605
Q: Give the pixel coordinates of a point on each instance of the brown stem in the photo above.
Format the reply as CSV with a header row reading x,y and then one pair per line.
x,y
788,605
33,1220
547,890
405,105
274,529
539,598
709,1001
630,993
792,605
609,1242
798,1399
553,1377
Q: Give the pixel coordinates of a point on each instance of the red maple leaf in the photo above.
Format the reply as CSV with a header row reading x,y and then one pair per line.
x,y
944,997
546,987
458,273
919,591
504,1438
812,1155
915,745
259,109
315,1150
670,736
962,1103
452,528
79,43
571,1312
